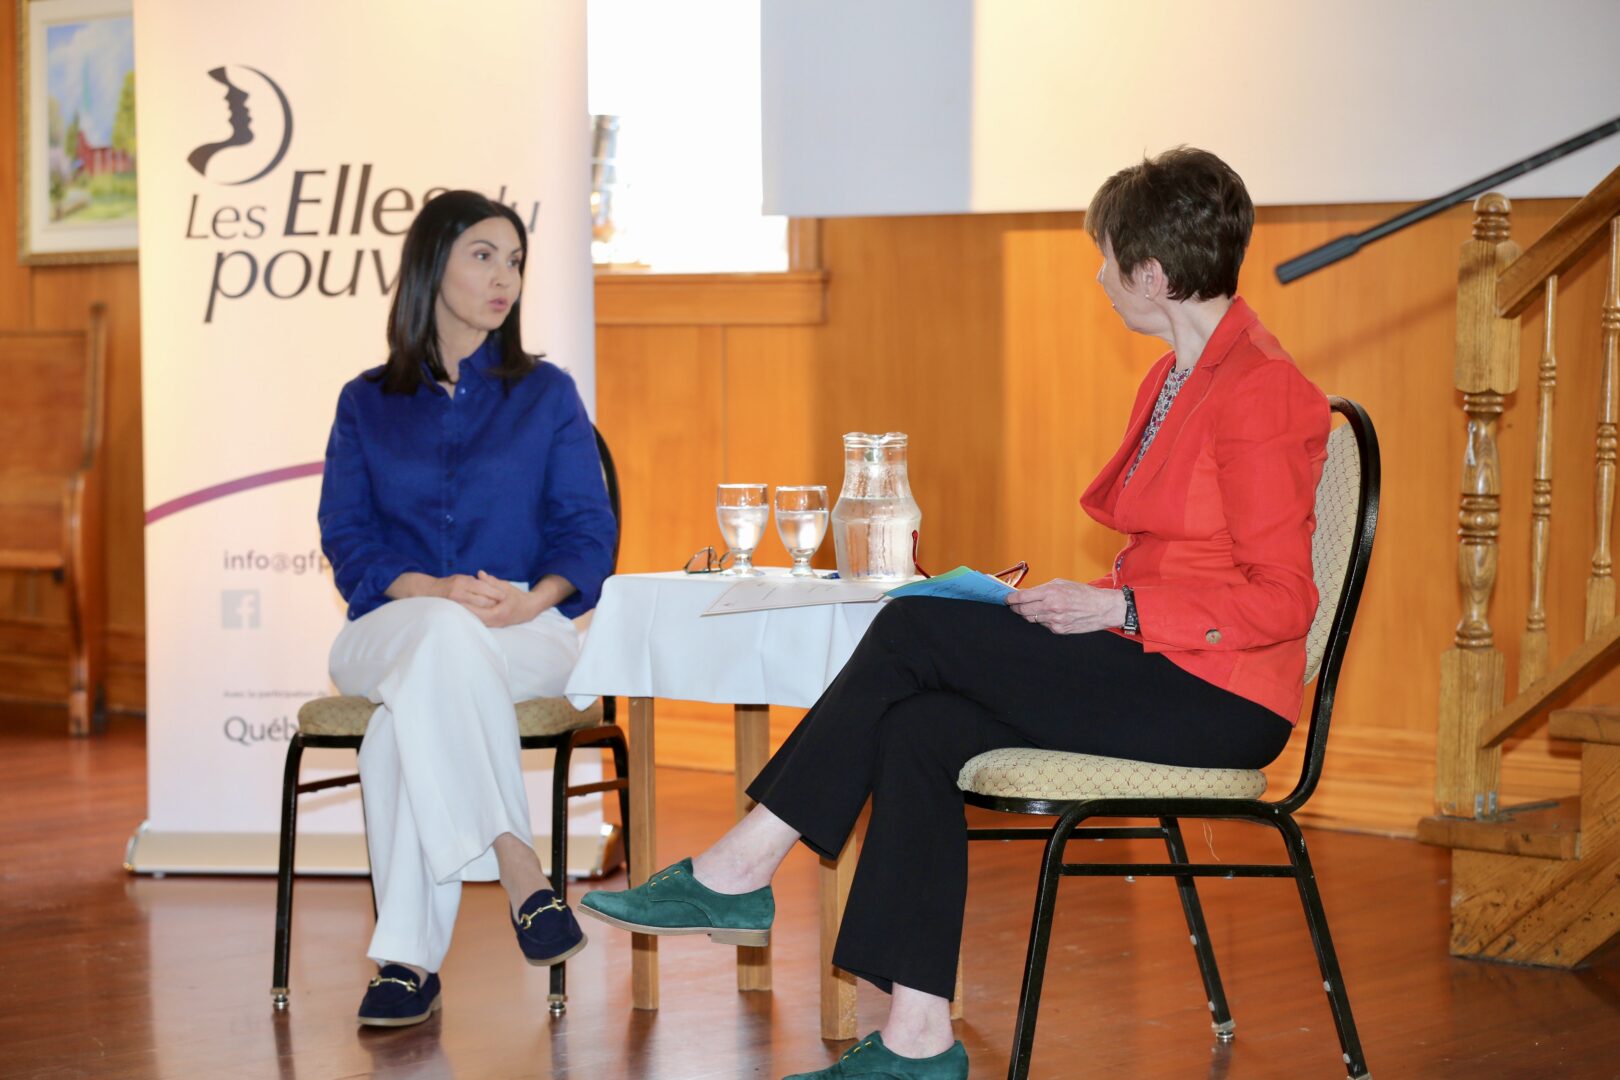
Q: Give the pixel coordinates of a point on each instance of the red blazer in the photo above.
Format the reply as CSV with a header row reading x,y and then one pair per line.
x,y
1219,515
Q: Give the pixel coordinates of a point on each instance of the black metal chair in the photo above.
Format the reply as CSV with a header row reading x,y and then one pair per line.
x,y
543,724
1075,787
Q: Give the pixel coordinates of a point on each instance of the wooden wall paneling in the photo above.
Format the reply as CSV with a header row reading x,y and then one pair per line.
x,y
663,418
912,343
709,299
658,404
18,591
1069,372
1374,780
14,278
774,429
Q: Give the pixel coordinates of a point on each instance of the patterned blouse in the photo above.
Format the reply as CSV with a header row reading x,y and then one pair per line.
x,y
1161,408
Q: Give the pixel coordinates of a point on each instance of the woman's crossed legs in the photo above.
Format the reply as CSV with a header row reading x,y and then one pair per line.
x,y
932,684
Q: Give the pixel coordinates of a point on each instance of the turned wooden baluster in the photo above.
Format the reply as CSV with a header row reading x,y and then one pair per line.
x,y
1472,671
1533,646
1600,585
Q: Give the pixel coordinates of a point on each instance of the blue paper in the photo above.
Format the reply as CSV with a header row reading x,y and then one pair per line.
x,y
959,584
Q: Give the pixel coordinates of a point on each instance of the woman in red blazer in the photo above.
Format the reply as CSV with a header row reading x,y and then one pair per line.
x,y
1190,652
1219,513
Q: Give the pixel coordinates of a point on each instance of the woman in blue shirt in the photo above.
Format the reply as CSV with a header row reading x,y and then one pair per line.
x,y
464,513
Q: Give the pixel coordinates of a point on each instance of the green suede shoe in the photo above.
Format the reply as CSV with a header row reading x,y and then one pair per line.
x,y
672,901
870,1057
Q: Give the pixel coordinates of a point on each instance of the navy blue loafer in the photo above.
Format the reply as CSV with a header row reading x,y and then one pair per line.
x,y
397,998
547,931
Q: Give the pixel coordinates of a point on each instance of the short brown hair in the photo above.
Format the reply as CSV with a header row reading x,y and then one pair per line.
x,y
1186,208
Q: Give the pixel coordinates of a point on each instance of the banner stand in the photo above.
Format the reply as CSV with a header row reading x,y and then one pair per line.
x,y
281,167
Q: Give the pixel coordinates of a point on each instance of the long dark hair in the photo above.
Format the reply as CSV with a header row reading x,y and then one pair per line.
x,y
413,331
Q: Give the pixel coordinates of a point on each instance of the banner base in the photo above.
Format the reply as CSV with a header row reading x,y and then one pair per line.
x,y
160,852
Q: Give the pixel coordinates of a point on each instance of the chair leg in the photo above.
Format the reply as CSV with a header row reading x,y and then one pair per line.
x,y
557,1000
284,871
1220,1015
621,771
1040,937
1327,960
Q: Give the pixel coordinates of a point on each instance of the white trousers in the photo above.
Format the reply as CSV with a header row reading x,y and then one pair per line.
x,y
439,770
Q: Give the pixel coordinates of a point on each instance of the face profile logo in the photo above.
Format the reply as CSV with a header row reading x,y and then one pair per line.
x,y
246,154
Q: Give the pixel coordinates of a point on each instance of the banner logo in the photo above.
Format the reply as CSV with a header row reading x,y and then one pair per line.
x,y
330,231
239,609
244,156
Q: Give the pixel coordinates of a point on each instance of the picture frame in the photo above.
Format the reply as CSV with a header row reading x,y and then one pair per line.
x,y
76,129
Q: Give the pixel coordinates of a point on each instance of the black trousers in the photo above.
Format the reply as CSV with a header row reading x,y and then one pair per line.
x,y
936,682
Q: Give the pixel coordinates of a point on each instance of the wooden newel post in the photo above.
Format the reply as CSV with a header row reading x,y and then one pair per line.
x,y
1472,671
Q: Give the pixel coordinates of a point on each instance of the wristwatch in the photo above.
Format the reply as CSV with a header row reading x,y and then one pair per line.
x,y
1130,625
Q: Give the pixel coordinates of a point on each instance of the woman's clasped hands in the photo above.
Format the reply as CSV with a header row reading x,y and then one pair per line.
x,y
1069,607
497,603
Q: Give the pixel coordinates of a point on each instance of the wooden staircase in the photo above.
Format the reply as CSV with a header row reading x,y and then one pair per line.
x,y
1540,883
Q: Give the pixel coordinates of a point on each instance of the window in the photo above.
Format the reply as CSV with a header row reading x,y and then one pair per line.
x,y
682,79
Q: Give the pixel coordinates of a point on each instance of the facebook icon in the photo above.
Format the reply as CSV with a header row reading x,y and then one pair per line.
x,y
239,609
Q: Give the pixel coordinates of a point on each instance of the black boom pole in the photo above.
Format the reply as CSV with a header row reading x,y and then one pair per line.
x,y
1345,246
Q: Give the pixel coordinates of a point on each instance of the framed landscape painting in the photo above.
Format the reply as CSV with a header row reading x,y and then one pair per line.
x,y
76,95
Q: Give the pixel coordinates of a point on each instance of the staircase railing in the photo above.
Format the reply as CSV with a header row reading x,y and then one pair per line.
x,y
1496,285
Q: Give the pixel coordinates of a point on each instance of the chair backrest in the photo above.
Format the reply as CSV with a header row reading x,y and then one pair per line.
x,y
55,398
1338,499
1341,550
610,477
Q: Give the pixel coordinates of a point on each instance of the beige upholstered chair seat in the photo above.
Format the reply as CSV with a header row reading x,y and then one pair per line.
x,y
1021,773
349,715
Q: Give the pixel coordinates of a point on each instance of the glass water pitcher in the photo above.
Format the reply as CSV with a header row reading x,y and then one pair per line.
x,y
876,515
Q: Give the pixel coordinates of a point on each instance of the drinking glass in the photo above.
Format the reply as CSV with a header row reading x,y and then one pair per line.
x,y
801,522
742,512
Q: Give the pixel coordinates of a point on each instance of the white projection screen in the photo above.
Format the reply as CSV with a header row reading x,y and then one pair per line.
x,y
956,106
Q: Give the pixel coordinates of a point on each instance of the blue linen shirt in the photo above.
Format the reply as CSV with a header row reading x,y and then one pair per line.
x,y
508,482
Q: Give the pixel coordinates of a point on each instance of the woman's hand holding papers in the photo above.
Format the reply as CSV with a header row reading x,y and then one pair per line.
x,y
1069,607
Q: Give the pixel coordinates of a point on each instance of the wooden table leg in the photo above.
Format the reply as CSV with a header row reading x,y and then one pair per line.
x,y
837,986
643,847
753,749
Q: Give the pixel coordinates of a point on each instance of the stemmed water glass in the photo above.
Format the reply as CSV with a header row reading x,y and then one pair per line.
x,y
742,512
801,522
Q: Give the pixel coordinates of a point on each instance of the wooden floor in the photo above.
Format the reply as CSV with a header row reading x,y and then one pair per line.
x,y
107,975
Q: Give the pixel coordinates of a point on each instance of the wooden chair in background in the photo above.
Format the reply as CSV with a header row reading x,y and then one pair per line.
x,y
50,486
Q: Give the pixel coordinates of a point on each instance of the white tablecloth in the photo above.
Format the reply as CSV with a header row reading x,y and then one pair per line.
x,y
649,638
